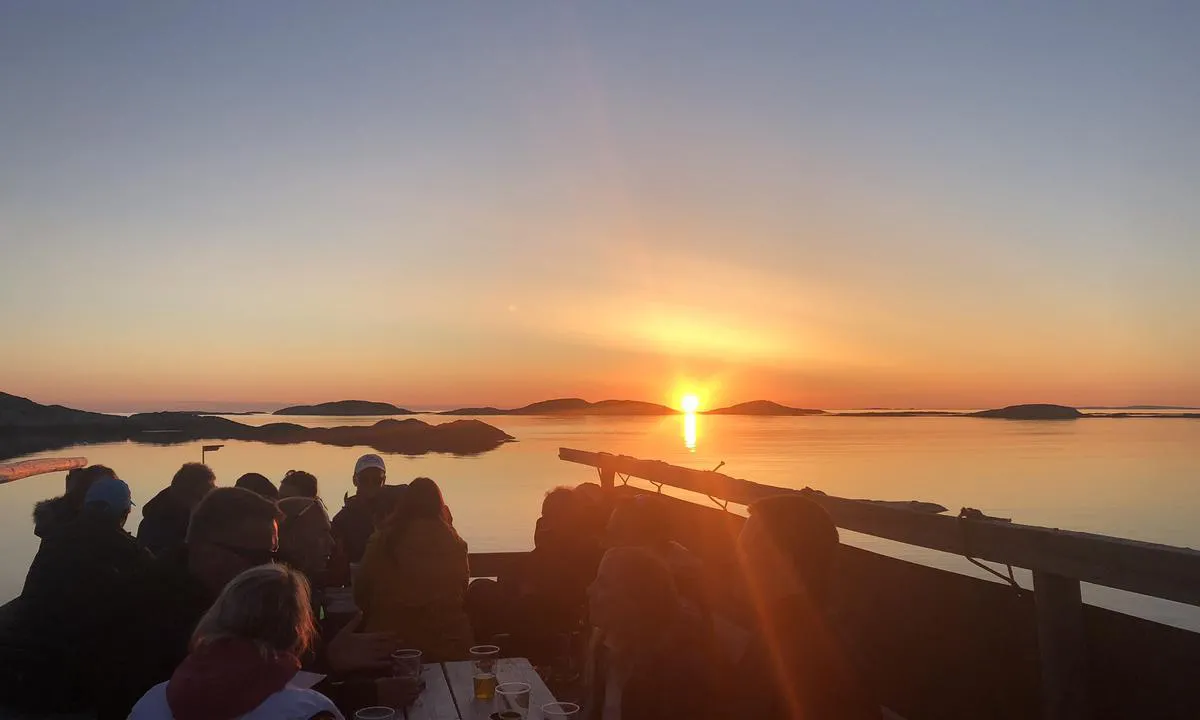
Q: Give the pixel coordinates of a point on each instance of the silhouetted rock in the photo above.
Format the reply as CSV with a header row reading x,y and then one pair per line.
x,y
23,412
1033,411
346,407
573,406
27,427
762,407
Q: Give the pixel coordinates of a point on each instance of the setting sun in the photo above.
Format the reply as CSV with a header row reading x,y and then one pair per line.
x,y
689,403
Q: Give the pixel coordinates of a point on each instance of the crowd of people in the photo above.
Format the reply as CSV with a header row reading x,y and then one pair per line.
x,y
229,603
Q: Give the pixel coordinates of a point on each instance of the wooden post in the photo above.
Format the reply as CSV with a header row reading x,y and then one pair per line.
x,y
1062,644
607,478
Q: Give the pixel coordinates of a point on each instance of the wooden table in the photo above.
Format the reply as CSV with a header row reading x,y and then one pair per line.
x,y
450,693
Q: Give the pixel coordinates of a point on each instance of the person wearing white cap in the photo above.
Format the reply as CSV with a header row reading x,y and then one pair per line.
x,y
354,523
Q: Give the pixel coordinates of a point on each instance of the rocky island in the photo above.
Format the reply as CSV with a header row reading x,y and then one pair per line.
x,y
763,407
28,427
345,407
573,406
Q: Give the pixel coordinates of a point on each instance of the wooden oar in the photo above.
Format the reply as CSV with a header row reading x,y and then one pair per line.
x,y
26,468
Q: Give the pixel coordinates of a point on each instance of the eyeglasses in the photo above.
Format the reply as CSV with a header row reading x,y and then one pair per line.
x,y
254,556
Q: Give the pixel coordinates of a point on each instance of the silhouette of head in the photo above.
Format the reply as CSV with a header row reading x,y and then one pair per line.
x,y
267,605
192,482
370,473
80,480
298,483
633,598
788,545
639,521
232,529
256,483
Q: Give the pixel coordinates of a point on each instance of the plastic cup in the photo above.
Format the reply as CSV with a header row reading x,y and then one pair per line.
x,y
406,663
515,696
560,711
375,713
484,657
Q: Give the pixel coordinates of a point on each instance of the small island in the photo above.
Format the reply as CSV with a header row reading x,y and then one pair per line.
x,y
28,427
346,408
1032,411
573,406
763,408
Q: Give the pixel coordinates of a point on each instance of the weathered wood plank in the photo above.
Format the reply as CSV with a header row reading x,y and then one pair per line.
x,y
28,468
1062,645
436,701
507,670
1147,568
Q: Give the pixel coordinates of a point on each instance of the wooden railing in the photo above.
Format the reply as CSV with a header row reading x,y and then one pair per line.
x,y
1059,559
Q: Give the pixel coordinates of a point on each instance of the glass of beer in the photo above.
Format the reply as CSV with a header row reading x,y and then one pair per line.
x,y
515,696
375,713
560,711
406,664
484,659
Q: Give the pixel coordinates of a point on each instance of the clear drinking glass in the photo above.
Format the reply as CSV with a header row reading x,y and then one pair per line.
x,y
515,696
375,713
406,664
484,676
560,711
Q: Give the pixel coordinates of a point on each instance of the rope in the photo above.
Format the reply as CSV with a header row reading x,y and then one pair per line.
x,y
965,515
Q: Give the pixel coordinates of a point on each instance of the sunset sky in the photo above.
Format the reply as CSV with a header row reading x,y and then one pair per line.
x,y
848,204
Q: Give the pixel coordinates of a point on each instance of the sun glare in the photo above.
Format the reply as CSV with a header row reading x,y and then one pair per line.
x,y
689,403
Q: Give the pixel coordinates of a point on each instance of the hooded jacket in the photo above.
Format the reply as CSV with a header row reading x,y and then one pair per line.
x,y
164,522
233,678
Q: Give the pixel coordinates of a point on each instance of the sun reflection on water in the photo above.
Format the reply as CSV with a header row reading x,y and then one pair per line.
x,y
689,431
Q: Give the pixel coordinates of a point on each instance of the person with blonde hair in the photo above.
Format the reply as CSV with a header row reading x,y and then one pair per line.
x,y
245,656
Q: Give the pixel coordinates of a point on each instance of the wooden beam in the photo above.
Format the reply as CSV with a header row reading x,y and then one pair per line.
x,y
1150,569
1062,644
28,468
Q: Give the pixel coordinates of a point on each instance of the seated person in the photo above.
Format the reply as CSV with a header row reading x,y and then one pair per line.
x,y
49,514
245,656
642,521
258,483
231,530
653,660
298,483
541,601
165,517
414,577
72,590
305,540
355,522
796,666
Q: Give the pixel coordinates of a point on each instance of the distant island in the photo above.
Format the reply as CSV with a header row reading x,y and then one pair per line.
x,y
763,407
27,427
573,406
1033,411
347,408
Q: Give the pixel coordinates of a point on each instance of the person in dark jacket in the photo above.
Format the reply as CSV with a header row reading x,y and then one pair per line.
x,y
71,593
165,517
258,483
231,530
796,667
654,659
354,523
49,514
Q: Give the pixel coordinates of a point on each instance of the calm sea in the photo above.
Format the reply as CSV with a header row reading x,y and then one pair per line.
x,y
1135,478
